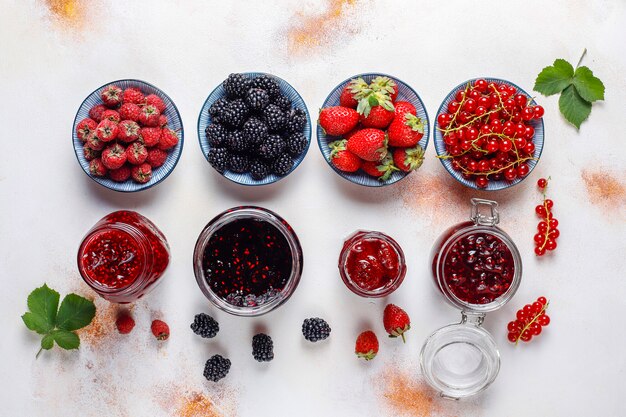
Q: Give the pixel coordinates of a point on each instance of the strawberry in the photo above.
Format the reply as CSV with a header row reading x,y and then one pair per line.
x,y
381,170
141,173
112,115
86,128
378,117
128,131
351,93
95,112
405,132
150,136
366,346
89,153
368,144
396,321
136,153
129,111
346,98
169,139
133,95
338,120
111,96
121,174
156,157
343,159
160,330
149,116
403,107
114,156
95,143
408,159
106,131
386,85
97,168
352,132
124,323
156,101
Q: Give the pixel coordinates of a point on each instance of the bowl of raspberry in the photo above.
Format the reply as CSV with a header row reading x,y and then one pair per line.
x,y
254,128
373,130
128,135
489,134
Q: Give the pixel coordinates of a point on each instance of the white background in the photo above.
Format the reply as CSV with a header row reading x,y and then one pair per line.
x,y
48,66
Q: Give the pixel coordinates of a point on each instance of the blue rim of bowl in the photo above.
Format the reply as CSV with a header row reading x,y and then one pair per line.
x,y
177,152
493,185
230,175
322,141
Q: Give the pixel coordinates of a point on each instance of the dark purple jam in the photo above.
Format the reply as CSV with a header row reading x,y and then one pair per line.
x,y
247,262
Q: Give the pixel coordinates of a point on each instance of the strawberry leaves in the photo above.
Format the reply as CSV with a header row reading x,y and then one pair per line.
x,y
579,88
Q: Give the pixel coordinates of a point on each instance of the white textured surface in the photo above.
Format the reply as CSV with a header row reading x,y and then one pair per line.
x,y
575,368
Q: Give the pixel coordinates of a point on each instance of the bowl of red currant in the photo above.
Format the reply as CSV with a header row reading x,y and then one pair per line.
x,y
489,133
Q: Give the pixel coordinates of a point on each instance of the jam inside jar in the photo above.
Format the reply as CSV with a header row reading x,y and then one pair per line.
x,y
123,256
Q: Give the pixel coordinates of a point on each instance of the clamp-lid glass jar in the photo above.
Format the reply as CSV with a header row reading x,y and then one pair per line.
x,y
123,256
248,261
477,268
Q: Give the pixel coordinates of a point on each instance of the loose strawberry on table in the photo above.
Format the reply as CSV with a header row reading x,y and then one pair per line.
x,y
366,346
396,321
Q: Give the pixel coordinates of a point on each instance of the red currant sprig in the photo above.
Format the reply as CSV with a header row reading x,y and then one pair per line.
x,y
545,239
530,321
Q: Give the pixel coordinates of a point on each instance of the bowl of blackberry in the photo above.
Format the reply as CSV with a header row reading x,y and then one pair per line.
x,y
254,128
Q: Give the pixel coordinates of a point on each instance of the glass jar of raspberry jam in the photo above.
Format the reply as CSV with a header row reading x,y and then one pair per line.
x,y
123,256
248,261
371,264
477,268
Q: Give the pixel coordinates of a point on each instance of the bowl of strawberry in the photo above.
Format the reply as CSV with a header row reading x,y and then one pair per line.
x,y
373,130
128,135
489,133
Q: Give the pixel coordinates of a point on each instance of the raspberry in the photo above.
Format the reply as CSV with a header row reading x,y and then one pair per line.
x,y
112,115
216,368
141,173
236,85
218,158
168,140
262,348
160,330
315,329
205,326
151,136
162,120
95,112
106,131
114,156
156,157
121,174
257,99
217,135
89,153
128,131
156,101
149,116
111,96
124,323
282,165
97,168
86,128
136,153
275,118
95,143
133,95
296,143
129,111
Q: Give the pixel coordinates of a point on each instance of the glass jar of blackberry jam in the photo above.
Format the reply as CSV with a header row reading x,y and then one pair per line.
x,y
248,261
123,256
477,268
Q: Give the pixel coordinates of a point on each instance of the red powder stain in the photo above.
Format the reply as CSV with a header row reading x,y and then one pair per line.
x,y
313,32
70,13
604,188
197,405
185,400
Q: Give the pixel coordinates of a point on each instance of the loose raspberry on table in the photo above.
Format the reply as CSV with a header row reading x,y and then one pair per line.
x,y
124,323
160,330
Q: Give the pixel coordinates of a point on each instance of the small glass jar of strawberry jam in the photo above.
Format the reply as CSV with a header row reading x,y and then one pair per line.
x,y
477,268
371,264
248,261
123,256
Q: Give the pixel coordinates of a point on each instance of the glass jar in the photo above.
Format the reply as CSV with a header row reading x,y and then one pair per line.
x,y
123,256
371,264
248,261
477,268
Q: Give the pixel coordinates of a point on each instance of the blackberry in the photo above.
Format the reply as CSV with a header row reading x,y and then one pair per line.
x,y
238,163
271,147
216,368
236,142
282,165
262,348
257,99
254,130
205,326
216,134
275,118
218,158
268,84
296,143
235,113
283,102
216,111
259,169
236,85
315,329
296,121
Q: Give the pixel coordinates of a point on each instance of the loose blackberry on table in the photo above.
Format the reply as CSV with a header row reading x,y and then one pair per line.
x,y
216,368
315,329
262,348
205,326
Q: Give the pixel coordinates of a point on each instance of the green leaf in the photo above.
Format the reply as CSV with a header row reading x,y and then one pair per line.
x,y
554,79
36,323
43,302
573,106
588,86
75,312
47,342
65,339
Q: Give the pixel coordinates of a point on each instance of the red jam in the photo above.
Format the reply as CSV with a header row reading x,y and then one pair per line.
x,y
122,256
372,264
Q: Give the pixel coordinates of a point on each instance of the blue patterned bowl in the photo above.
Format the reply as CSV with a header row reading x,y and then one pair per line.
x,y
204,119
440,146
174,122
405,93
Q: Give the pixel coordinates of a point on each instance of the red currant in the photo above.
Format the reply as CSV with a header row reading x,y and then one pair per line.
x,y
539,238
543,320
510,174
553,223
554,233
529,148
506,145
551,244
539,251
538,111
480,85
453,106
540,210
543,300
542,183
549,203
513,337
542,227
481,182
